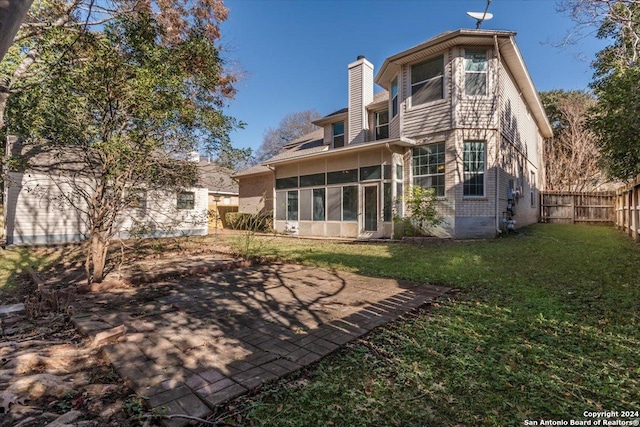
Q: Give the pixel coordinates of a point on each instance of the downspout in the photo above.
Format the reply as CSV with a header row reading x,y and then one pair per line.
x,y
498,137
394,186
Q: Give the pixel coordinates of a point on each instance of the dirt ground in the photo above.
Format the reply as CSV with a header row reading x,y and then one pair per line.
x,y
49,371
49,374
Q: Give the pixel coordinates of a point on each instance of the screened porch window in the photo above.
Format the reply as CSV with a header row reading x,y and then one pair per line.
x,y
292,205
319,203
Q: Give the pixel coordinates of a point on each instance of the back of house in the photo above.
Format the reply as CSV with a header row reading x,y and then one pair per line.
x,y
457,114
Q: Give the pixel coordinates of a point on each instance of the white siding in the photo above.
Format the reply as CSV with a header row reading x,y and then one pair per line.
x,y
39,212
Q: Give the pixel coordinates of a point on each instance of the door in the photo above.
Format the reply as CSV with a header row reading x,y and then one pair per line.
x,y
371,208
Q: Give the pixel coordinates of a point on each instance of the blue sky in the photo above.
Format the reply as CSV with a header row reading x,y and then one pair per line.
x,y
293,55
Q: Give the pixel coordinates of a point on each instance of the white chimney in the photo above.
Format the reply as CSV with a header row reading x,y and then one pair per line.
x,y
360,95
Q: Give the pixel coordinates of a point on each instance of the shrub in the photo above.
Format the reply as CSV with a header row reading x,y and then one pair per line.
x,y
250,222
422,213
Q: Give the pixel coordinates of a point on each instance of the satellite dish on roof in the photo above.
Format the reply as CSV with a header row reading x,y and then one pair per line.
x,y
481,16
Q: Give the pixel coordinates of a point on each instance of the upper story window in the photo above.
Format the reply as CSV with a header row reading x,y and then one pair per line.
x,y
394,97
338,134
475,72
382,124
426,81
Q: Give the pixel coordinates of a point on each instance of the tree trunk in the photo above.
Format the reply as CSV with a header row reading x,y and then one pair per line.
x,y
98,256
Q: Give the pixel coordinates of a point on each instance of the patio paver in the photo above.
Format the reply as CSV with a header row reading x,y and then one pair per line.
x,y
213,337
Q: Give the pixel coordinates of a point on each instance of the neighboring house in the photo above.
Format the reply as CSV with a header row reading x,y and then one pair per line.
x,y
458,114
43,204
222,188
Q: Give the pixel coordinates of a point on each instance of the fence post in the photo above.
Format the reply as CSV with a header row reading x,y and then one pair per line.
x,y
635,195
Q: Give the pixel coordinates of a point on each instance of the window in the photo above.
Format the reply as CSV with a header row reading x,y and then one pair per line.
x,y
370,172
388,201
475,72
429,167
334,203
342,177
292,205
426,81
319,199
291,182
338,134
312,180
394,97
399,190
386,171
186,200
350,203
382,124
473,161
532,186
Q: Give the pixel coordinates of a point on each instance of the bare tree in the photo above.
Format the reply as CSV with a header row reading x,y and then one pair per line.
x,y
571,156
291,127
605,19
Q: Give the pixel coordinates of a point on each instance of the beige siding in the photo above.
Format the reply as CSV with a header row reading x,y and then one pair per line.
x,y
430,117
474,111
256,193
360,94
516,123
394,126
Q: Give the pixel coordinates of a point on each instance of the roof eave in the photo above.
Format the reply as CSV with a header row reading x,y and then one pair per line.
x,y
513,58
392,64
402,142
330,119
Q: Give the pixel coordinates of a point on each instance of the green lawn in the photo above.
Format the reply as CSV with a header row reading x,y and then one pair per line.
x,y
546,326
14,261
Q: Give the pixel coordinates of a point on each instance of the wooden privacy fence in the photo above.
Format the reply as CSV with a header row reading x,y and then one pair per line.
x,y
578,208
628,209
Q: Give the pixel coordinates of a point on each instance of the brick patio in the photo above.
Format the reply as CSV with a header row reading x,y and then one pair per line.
x,y
213,337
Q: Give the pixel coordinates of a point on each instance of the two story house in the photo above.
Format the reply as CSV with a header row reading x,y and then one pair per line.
x,y
458,114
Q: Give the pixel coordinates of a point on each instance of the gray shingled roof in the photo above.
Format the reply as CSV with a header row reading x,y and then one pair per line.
x,y
253,170
379,97
297,152
316,134
216,178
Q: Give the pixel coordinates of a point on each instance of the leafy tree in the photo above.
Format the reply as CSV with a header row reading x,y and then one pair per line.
x,y
572,157
126,103
616,115
52,27
291,127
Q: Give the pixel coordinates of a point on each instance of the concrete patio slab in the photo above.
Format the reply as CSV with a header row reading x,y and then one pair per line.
x,y
212,337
